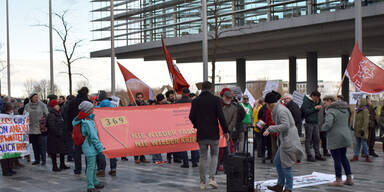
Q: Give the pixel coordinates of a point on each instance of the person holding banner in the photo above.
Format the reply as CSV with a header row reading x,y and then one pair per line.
x,y
205,113
37,110
290,150
6,164
92,145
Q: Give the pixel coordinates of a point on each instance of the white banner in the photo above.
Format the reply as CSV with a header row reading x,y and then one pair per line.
x,y
300,181
271,86
354,97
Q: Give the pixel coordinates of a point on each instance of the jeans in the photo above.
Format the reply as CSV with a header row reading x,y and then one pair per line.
x,y
371,138
359,142
340,159
39,144
77,158
212,165
312,136
102,163
157,157
194,155
91,172
285,177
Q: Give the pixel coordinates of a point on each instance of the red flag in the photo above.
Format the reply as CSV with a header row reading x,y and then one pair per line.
x,y
364,74
177,79
135,85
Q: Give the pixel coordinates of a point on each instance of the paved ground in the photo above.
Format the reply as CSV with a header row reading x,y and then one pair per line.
x,y
171,178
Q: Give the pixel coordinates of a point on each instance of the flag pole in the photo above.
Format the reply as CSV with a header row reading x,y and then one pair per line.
x,y
8,54
341,84
130,92
113,85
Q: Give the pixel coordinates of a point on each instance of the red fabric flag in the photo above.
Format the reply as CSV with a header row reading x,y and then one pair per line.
x,y
135,85
364,74
177,79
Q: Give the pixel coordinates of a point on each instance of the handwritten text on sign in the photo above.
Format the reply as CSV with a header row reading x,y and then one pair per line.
x,y
13,136
144,130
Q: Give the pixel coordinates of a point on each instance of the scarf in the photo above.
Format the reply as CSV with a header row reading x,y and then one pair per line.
x,y
82,115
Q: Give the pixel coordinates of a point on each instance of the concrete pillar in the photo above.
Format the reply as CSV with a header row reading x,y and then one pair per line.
x,y
292,74
311,72
345,86
240,73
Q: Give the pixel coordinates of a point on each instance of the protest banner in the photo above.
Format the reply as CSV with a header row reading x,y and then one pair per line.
x,y
271,85
354,97
14,140
144,130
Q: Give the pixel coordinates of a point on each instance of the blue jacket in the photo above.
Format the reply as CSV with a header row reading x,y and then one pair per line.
x,y
105,103
92,145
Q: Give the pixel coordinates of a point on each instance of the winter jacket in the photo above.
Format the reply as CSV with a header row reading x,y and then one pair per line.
x,y
184,100
230,114
362,120
337,126
105,103
56,132
290,147
309,112
239,118
36,112
295,111
92,145
255,115
206,111
248,113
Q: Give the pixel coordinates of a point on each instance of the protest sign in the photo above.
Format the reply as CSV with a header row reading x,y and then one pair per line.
x,y
144,130
354,97
14,140
251,100
298,98
272,85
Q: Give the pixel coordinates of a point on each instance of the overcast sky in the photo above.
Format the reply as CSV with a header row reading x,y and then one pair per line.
x,y
30,54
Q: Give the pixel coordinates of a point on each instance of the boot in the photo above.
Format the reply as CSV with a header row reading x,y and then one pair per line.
x,y
276,188
54,163
355,158
337,183
326,153
92,190
62,162
112,173
349,181
100,173
373,154
18,164
367,159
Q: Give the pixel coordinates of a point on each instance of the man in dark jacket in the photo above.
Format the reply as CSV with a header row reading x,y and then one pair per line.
x,y
372,129
73,111
311,107
205,113
68,127
194,154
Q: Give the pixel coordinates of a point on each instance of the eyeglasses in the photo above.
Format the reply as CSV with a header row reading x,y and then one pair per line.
x,y
139,97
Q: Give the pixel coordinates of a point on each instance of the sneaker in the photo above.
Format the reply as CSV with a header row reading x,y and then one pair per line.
x,y
349,181
137,161
367,159
56,169
92,190
195,165
355,158
144,161
124,159
320,158
203,186
337,183
164,162
213,183
276,188
100,173
158,163
184,166
373,154
64,167
220,168
311,159
36,163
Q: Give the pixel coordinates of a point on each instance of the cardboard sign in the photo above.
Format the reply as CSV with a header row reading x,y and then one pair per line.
x,y
144,130
14,140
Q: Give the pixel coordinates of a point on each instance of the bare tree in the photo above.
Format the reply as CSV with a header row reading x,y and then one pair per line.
x,y
68,47
29,86
42,88
83,83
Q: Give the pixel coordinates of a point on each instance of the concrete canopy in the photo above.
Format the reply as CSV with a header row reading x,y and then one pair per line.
x,y
330,34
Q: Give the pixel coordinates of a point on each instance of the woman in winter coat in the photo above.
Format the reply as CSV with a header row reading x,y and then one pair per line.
x,y
290,149
37,110
56,136
339,137
362,130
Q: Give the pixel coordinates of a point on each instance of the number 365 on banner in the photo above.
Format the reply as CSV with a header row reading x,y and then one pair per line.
x,y
113,121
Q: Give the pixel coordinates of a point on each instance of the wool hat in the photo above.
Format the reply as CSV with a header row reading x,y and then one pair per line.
x,y
272,97
186,90
160,97
53,103
85,106
224,90
32,95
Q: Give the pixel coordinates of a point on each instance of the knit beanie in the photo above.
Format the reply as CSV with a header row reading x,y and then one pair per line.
x,y
272,97
53,103
85,106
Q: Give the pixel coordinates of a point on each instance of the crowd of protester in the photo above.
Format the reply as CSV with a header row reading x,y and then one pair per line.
x,y
276,123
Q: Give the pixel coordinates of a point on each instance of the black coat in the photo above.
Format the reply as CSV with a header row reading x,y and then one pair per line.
x,y
56,132
73,111
296,112
205,113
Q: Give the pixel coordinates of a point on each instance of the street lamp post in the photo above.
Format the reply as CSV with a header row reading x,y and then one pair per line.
x,y
358,24
113,91
205,38
8,53
52,80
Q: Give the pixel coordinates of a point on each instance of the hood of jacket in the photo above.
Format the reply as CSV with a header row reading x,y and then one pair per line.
x,y
339,105
78,121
